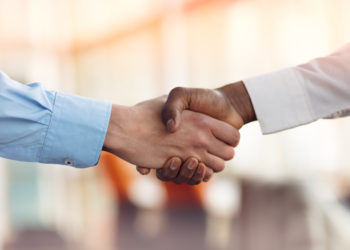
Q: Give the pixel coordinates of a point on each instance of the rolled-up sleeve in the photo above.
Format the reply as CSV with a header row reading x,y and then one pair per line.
x,y
37,125
299,95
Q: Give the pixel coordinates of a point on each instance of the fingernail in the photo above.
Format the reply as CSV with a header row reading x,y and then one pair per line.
x,y
174,165
199,170
192,164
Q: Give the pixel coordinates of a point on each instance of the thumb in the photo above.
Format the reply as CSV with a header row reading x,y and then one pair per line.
x,y
178,100
143,170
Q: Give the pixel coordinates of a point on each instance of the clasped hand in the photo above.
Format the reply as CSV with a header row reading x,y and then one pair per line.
x,y
163,134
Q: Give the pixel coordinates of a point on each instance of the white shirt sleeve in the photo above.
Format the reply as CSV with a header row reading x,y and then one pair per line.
x,y
299,95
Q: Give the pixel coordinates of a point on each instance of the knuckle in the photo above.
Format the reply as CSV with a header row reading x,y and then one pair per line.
x,y
195,179
194,182
200,120
161,176
177,91
200,143
182,178
186,177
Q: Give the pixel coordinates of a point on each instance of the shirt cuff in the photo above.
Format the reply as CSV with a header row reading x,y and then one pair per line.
x,y
280,100
76,132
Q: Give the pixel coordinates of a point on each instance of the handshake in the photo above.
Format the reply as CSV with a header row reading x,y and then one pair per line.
x,y
187,136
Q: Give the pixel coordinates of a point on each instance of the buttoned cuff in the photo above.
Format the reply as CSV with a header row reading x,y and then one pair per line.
x,y
280,100
76,132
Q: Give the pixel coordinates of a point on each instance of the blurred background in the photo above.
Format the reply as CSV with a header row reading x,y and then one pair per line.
x,y
289,190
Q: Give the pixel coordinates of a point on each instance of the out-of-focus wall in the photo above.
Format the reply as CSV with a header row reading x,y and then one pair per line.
x,y
129,51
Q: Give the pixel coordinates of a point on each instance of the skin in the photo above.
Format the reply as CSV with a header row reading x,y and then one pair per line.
x,y
230,103
189,174
137,135
192,171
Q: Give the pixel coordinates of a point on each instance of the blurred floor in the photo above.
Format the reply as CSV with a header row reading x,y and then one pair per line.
x,y
39,239
185,230
272,217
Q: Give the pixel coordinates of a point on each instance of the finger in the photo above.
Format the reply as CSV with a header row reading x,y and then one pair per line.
x,y
143,170
170,169
198,176
215,163
208,174
176,103
221,150
187,171
224,132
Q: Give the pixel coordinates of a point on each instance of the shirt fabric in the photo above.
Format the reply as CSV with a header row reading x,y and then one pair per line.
x,y
302,94
37,125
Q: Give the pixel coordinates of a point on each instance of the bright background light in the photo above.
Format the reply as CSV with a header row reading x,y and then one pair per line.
x,y
129,51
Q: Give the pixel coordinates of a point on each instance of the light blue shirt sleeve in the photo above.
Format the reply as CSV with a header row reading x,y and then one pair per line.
x,y
37,125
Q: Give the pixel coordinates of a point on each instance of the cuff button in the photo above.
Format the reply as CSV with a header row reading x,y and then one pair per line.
x,y
68,162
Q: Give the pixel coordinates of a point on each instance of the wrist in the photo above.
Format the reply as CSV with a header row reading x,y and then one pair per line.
x,y
115,133
239,98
